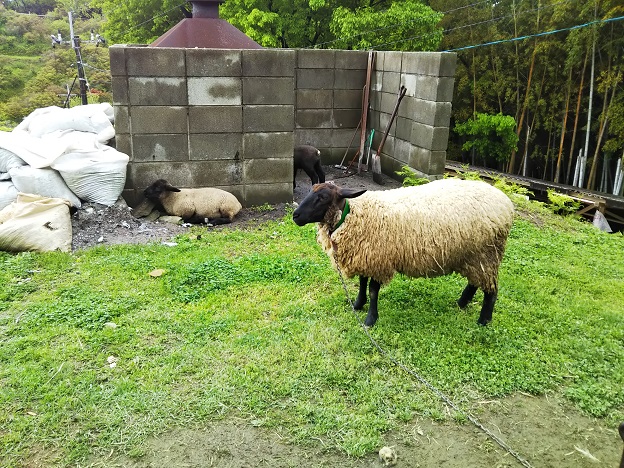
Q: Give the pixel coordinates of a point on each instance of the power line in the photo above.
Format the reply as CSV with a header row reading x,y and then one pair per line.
x,y
154,17
544,33
479,23
396,25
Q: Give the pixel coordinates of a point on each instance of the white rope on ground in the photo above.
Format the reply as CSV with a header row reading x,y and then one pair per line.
x,y
435,390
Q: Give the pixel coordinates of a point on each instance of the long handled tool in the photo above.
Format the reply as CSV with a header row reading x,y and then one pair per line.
x,y
365,104
376,159
341,165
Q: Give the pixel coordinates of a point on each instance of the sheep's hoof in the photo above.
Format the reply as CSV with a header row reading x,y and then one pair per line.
x,y
358,305
370,322
483,323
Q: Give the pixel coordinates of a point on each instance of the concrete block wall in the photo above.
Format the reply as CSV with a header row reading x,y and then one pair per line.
x,y
206,117
329,100
419,134
230,118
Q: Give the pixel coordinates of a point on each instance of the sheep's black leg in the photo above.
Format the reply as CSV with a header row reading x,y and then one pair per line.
x,y
372,316
195,219
360,300
489,299
295,178
466,296
311,174
319,171
217,221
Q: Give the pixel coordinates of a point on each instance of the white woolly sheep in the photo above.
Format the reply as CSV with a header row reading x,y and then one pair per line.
x,y
200,205
308,158
445,226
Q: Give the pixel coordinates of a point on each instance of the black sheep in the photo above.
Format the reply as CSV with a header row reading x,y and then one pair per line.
x,y
308,158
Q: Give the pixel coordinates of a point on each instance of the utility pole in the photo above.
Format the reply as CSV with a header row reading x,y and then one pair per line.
x,y
82,81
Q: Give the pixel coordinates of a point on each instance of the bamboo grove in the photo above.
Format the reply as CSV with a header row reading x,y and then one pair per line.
x,y
554,66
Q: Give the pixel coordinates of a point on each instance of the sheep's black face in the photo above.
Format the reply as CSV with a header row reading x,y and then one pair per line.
x,y
322,202
154,191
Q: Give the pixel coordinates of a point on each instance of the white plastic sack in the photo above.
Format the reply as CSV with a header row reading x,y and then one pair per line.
x,y
43,182
34,223
8,193
38,152
9,160
92,118
97,177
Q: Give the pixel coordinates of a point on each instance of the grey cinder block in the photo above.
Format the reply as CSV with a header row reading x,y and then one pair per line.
x,y
268,62
308,78
157,91
352,59
270,170
214,91
158,119
429,137
258,194
349,79
320,138
207,146
268,90
313,118
120,90
122,119
268,145
268,118
311,58
155,61
315,99
213,62
117,57
216,119
160,147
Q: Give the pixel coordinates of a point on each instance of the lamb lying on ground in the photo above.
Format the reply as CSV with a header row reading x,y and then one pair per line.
x,y
200,205
445,226
308,158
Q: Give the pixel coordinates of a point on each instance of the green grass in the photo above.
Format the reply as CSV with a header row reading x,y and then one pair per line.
x,y
255,324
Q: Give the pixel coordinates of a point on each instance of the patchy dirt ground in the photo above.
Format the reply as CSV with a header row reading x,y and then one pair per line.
x,y
544,431
95,224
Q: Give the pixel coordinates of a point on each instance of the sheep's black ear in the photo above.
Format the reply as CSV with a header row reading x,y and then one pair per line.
x,y
171,188
350,193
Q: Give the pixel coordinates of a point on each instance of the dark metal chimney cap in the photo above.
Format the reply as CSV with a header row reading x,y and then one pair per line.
x,y
206,8
206,30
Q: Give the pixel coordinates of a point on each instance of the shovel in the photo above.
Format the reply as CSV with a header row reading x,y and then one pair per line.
x,y
377,177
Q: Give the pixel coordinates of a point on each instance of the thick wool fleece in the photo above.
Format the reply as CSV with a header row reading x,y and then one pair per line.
x,y
445,226
202,202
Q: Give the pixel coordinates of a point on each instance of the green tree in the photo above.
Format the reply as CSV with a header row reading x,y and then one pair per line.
x,y
405,25
399,25
138,21
490,136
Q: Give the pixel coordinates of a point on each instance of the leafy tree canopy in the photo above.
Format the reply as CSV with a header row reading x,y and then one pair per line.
x,y
398,25
490,135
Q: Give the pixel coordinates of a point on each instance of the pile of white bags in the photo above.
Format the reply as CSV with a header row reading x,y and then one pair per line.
x,y
62,153
54,159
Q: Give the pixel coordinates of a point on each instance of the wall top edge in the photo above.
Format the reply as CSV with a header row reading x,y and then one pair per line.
x,y
268,50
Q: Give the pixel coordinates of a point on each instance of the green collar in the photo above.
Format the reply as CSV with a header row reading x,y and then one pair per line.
x,y
345,212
